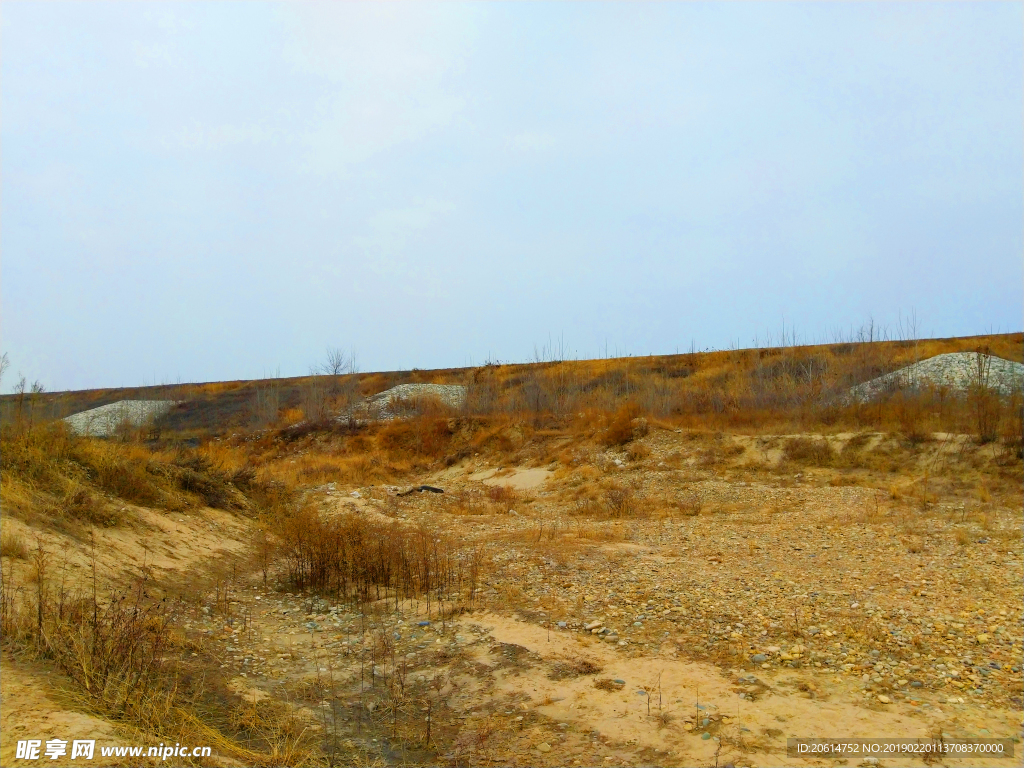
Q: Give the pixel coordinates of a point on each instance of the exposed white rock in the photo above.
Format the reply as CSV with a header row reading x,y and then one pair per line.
x,y
106,419
956,371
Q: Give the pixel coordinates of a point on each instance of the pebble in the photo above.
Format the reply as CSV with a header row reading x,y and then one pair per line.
x,y
885,699
543,747
759,658
705,736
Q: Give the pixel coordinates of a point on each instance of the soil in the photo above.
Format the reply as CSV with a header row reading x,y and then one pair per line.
x,y
749,599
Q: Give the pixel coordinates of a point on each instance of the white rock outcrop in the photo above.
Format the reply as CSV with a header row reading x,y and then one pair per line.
x,y
106,419
393,402
958,372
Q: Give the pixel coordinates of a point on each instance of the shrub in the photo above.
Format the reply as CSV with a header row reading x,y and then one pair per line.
x,y
626,425
806,450
12,545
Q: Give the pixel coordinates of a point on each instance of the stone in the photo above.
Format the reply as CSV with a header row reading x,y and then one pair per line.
x,y
759,658
705,736
983,638
543,747
884,699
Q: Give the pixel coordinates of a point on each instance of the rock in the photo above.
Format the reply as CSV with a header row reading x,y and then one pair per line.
x,y
356,495
983,638
884,699
562,625
593,625
759,658
705,736
613,638
543,747
916,684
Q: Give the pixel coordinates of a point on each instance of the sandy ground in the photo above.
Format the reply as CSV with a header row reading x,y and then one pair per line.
x,y
793,603
32,708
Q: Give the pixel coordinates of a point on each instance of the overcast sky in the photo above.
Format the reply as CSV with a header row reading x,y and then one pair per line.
x,y
207,191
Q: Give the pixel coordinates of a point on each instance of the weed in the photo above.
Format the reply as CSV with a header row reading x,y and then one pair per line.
x,y
806,450
12,545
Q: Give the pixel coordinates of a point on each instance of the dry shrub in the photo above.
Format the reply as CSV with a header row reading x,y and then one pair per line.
x,y
694,500
594,531
502,494
621,501
12,545
361,560
638,452
565,670
719,452
428,435
626,425
911,415
812,451
127,661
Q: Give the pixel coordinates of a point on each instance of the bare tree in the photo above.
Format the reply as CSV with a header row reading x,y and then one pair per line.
x,y
5,363
338,362
35,390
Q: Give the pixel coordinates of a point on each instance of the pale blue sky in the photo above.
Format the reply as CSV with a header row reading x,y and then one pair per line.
x,y
204,191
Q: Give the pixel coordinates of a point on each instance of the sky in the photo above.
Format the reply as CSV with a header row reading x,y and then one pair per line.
x,y
210,191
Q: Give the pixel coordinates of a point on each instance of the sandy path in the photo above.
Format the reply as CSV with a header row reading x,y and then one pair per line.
x,y
752,732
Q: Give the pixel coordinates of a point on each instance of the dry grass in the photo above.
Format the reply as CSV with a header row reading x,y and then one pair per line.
x,y
51,474
126,660
809,451
13,546
122,654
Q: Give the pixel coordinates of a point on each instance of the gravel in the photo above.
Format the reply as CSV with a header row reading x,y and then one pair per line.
x,y
105,420
390,403
957,371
